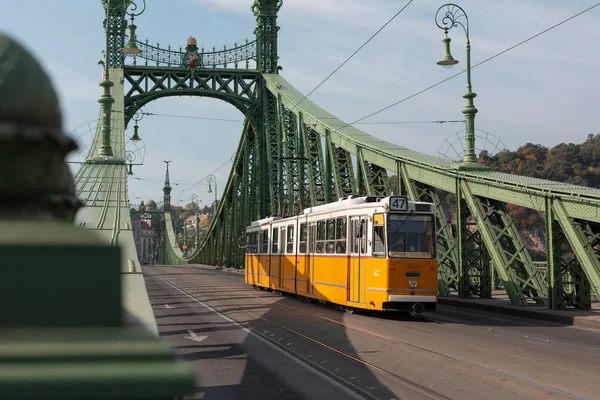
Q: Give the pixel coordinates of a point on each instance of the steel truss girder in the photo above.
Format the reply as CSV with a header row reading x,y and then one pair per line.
x,y
116,36
372,179
473,259
313,151
505,246
569,266
273,163
580,202
293,162
237,87
342,171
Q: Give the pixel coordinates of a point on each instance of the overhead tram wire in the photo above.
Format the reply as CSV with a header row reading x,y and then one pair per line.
x,y
192,117
202,180
352,55
463,71
362,123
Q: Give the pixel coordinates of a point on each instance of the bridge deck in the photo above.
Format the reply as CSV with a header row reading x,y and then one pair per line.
x,y
252,344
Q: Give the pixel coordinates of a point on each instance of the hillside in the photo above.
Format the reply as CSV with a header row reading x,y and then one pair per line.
x,y
577,164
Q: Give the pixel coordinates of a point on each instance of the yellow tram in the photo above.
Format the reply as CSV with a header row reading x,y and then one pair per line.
x,y
376,253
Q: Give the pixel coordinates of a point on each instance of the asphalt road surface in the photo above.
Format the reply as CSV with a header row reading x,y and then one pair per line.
x,y
248,344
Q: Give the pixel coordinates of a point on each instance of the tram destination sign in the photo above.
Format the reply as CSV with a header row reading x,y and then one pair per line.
x,y
398,203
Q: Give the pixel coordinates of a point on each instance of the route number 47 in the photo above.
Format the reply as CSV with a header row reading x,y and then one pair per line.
x,y
398,203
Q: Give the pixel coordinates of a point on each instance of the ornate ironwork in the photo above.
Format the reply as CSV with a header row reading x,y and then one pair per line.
x,y
147,83
240,56
451,17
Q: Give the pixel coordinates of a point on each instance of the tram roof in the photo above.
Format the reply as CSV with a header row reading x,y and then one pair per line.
x,y
264,221
344,202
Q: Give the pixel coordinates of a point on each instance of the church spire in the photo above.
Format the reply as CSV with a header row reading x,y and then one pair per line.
x,y
167,189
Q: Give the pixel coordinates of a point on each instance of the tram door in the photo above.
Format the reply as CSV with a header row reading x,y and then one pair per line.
x,y
282,240
357,265
310,257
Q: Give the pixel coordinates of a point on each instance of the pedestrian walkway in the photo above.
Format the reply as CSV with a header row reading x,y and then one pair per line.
x,y
500,303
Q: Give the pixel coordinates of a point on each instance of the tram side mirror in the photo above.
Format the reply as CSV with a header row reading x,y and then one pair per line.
x,y
242,242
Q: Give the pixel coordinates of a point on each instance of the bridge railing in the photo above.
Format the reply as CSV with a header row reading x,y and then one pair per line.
x,y
240,56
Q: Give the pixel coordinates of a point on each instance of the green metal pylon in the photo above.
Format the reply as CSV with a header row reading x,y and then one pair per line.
x,y
63,331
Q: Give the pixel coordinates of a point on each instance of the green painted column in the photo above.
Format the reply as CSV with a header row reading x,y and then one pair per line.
x,y
63,331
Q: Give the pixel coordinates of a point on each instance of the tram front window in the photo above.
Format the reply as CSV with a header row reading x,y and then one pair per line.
x,y
410,236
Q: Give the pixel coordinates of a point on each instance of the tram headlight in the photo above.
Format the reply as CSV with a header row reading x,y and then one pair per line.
x,y
413,283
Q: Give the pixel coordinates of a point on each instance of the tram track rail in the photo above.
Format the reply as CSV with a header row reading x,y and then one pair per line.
x,y
416,386
364,394
422,331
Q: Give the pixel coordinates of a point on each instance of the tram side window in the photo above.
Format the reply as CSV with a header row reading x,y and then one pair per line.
x,y
265,242
378,240
340,235
330,236
321,236
254,243
275,247
290,239
302,239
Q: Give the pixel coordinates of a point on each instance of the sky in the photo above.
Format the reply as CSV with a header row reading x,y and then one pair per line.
x,y
540,92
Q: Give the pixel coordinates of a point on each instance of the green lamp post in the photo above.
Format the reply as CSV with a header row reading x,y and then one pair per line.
x,y
64,333
194,198
105,153
210,179
449,16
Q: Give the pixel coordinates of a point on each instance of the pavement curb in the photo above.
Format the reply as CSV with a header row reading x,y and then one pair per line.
x,y
577,321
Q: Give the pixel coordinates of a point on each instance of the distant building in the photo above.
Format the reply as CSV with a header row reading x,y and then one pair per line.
x,y
145,235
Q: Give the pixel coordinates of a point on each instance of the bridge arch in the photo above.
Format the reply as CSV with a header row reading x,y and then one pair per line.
x,y
238,88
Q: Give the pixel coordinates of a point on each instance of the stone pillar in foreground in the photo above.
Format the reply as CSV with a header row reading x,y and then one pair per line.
x,y
63,332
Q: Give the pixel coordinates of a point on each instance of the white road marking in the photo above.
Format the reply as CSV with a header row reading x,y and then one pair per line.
x,y
332,381
195,337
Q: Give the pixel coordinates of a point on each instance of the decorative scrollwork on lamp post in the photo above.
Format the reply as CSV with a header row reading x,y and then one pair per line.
x,y
136,118
130,157
447,17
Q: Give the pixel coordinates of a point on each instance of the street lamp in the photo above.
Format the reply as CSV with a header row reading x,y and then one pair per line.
x,y
450,18
211,178
194,197
106,100
136,117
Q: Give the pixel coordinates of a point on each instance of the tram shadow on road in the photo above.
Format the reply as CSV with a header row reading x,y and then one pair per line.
x,y
251,344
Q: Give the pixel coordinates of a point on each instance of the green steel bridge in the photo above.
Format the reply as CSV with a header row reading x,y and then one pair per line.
x,y
292,154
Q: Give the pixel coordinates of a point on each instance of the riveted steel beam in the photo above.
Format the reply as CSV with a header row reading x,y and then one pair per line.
x,y
583,238
520,281
342,171
372,179
313,150
474,276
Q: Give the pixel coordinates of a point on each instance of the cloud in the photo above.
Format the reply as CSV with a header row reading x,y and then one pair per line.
x,y
338,9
